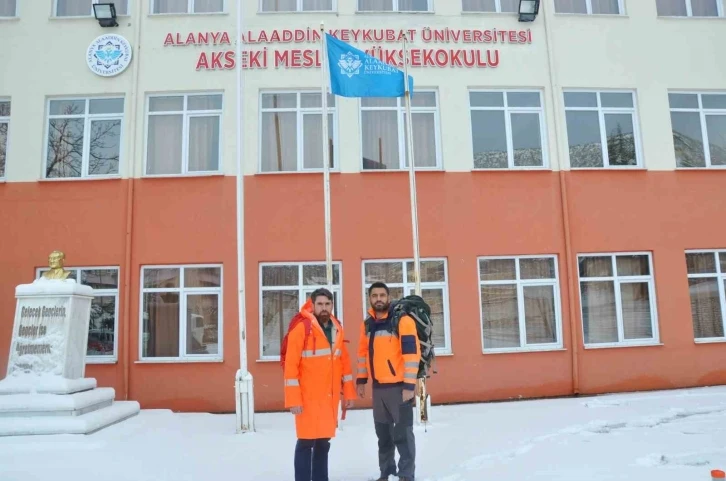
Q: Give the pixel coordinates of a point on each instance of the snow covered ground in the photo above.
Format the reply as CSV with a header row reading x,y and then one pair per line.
x,y
663,436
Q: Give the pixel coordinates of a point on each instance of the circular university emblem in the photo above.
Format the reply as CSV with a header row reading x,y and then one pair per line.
x,y
108,55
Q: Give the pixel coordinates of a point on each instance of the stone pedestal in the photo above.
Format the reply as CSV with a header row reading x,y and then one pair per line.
x,y
45,391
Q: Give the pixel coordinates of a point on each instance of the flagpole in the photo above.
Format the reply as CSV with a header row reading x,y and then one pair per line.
x,y
411,171
326,160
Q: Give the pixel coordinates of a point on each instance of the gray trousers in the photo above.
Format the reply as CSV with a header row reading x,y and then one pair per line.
x,y
394,427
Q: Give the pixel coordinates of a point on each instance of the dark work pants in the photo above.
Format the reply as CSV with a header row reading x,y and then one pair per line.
x,y
311,459
394,427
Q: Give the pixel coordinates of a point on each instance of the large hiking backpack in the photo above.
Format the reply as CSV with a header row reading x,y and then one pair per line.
x,y
297,319
415,307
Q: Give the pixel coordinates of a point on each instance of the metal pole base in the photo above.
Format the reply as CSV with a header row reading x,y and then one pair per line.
x,y
245,402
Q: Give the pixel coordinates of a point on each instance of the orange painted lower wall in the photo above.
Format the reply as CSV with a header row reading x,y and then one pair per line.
x,y
462,216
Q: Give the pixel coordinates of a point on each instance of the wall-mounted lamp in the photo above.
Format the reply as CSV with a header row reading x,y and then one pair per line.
x,y
528,10
105,13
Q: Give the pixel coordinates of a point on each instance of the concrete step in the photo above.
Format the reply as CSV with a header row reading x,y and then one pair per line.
x,y
30,383
82,424
30,405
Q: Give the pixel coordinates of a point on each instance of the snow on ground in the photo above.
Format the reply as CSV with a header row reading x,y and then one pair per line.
x,y
664,436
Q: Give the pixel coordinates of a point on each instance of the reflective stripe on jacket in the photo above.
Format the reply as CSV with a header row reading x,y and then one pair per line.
x,y
313,376
387,358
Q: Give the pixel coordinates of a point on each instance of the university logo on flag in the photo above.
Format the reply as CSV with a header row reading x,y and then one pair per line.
x,y
353,73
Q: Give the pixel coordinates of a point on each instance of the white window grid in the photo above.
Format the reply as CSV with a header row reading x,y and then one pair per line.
x,y
190,9
408,287
184,293
301,112
402,146
588,3
618,280
298,8
703,114
497,8
429,7
98,293
5,120
88,119
119,13
720,276
187,114
521,284
15,13
603,137
508,111
689,9
303,292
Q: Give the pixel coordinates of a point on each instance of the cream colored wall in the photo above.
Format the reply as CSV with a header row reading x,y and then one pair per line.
x,y
639,51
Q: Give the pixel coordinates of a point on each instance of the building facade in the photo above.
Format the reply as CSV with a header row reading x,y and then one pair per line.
x,y
570,174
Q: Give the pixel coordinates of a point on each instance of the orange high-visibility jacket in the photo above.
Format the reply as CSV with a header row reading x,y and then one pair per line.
x,y
314,373
389,359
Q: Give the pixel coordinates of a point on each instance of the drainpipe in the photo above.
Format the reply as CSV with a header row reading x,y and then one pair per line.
x,y
131,162
564,203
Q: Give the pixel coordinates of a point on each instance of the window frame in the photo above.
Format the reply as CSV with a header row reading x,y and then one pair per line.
x,y
298,8
183,292
113,359
497,9
689,11
302,290
720,276
520,284
601,111
11,17
185,113
190,9
400,109
508,111
617,281
88,118
702,114
6,120
299,117
395,9
409,288
588,7
90,14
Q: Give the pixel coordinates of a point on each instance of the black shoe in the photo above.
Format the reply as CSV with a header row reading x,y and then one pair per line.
x,y
404,478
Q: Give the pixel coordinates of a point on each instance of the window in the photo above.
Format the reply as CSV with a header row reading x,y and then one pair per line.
x,y
181,312
618,299
507,129
706,285
297,5
103,326
84,8
284,288
399,276
84,137
690,8
394,6
292,129
602,129
184,134
589,7
4,127
499,6
384,131
187,6
699,120
520,303
8,8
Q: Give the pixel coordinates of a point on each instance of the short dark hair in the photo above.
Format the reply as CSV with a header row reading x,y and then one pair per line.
x,y
378,285
321,292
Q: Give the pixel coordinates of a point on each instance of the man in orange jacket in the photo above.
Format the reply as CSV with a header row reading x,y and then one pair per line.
x,y
316,366
391,358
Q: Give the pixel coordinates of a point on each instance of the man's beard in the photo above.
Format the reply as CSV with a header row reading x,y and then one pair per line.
x,y
323,317
380,307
